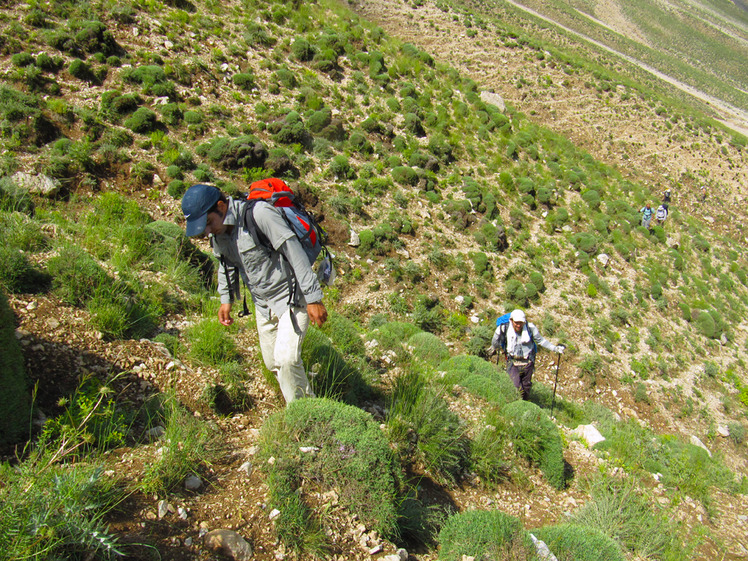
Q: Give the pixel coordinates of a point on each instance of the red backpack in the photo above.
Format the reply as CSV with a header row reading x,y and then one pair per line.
x,y
302,223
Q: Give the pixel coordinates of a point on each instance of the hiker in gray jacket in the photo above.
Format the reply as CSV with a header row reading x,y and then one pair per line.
x,y
519,345
284,288
647,213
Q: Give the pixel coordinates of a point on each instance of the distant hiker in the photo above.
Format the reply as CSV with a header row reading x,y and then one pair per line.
x,y
646,215
661,214
285,289
519,345
666,196
703,193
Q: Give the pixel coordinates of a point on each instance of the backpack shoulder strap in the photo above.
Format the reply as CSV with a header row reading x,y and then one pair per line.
x,y
247,220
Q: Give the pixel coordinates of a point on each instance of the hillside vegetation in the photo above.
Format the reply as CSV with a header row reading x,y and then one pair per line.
x,y
465,161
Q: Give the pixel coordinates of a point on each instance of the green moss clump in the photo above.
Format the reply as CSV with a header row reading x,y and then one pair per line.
x,y
15,400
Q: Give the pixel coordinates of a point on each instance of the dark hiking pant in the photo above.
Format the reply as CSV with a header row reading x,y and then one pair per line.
x,y
520,373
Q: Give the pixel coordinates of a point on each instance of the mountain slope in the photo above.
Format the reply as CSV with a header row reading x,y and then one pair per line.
x,y
387,134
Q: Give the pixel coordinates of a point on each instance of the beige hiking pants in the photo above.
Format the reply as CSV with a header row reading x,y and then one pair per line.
x,y
281,350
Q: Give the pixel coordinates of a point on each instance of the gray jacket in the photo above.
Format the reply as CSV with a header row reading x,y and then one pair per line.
x,y
269,275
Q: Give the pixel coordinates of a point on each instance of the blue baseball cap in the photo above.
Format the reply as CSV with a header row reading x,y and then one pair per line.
x,y
196,203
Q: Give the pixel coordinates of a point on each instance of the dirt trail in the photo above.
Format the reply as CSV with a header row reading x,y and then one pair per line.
x,y
732,116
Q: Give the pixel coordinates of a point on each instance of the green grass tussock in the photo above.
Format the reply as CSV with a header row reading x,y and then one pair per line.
x,y
581,543
536,438
484,535
320,444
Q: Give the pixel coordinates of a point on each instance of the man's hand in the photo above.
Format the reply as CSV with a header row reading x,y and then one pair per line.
x,y
490,351
560,349
224,314
317,313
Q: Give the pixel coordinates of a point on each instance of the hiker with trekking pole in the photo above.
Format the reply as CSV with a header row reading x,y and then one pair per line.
x,y
519,346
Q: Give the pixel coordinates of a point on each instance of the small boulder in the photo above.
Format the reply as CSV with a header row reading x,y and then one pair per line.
x,y
229,543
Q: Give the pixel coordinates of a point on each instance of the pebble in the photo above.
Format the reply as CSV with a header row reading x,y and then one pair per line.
x,y
246,468
163,508
193,483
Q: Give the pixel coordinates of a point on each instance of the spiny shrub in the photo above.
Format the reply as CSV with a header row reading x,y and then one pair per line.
x,y
14,198
75,275
344,334
69,502
235,153
405,175
536,438
24,119
428,348
210,343
324,444
392,335
332,376
318,120
152,78
419,414
580,543
341,168
705,323
142,121
618,509
118,311
302,50
244,80
480,378
483,534
189,445
15,398
120,104
17,274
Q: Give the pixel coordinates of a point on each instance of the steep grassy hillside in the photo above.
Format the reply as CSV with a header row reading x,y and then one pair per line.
x,y
445,208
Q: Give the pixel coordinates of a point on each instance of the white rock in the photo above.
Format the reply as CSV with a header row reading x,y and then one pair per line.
x,y
603,259
475,319
542,549
696,442
355,240
589,433
723,431
493,99
308,449
460,299
36,184
275,513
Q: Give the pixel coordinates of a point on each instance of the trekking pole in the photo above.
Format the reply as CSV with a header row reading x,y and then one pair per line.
x,y
553,401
